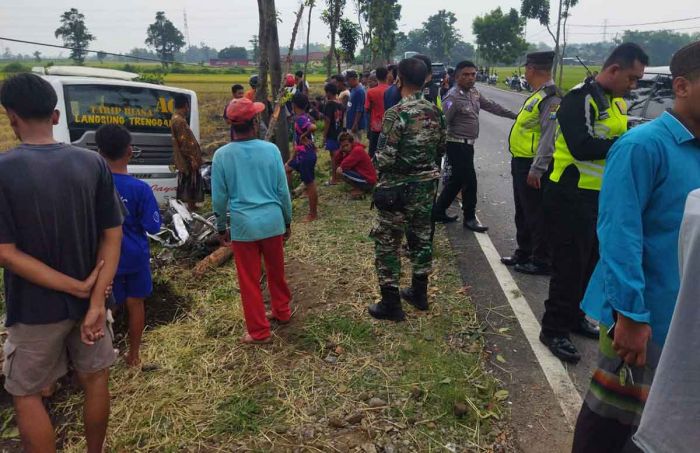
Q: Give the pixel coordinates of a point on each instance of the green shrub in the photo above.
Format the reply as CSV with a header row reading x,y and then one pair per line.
x,y
14,68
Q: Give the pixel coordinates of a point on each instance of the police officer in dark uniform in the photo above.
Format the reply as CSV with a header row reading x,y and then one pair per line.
x,y
531,143
591,117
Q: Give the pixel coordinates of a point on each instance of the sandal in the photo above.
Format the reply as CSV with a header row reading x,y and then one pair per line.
x,y
247,339
271,317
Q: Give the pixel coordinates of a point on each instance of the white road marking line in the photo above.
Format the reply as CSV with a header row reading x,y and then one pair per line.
x,y
564,390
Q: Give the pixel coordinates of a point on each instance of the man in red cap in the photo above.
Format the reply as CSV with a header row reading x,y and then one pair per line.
x,y
249,183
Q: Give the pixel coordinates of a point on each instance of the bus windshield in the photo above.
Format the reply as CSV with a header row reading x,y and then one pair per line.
x,y
139,109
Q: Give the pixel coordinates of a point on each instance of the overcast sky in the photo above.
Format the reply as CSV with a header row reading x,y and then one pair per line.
x,y
121,25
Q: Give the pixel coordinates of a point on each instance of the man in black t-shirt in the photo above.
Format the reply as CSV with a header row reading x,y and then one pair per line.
x,y
333,114
60,238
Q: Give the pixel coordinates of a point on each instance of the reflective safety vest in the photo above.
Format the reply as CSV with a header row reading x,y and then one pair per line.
x,y
525,134
608,123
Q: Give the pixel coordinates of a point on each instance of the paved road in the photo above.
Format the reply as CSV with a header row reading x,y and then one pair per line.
x,y
536,415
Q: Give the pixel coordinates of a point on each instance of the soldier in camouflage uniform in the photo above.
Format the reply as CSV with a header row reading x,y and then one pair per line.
x,y
410,146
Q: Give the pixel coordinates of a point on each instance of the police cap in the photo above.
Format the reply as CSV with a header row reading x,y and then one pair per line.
x,y
540,60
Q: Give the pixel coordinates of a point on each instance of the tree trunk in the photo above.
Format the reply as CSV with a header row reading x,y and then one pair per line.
x,y
288,66
337,60
261,93
556,41
272,47
308,36
334,10
563,47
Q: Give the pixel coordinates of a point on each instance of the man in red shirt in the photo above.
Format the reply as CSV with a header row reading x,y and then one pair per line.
x,y
355,166
374,104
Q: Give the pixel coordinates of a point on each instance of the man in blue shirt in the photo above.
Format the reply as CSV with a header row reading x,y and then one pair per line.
x,y
649,173
355,115
249,182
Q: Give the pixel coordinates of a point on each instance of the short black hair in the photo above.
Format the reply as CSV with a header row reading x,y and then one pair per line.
x,y
331,88
299,74
425,59
112,141
625,55
393,69
351,74
464,64
236,87
381,73
338,78
686,62
300,100
242,128
29,96
181,100
413,72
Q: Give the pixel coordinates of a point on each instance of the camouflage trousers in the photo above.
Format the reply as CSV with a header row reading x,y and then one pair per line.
x,y
413,222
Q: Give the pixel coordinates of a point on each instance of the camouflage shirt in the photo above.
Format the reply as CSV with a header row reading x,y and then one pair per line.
x,y
411,144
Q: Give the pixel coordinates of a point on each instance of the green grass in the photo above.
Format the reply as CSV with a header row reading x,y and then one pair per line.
x,y
573,75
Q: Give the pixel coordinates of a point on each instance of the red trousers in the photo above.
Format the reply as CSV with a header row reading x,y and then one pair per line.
x,y
247,257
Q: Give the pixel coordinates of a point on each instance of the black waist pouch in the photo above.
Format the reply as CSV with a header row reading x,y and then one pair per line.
x,y
391,198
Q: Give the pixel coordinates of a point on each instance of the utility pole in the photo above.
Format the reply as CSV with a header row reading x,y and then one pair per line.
x,y
605,30
187,28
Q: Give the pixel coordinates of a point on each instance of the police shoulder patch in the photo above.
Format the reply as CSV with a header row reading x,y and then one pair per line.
x,y
553,109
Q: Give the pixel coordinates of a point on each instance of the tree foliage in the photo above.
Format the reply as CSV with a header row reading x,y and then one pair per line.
x,y
441,34
462,51
659,45
332,16
499,36
75,34
382,19
349,36
164,38
413,41
233,53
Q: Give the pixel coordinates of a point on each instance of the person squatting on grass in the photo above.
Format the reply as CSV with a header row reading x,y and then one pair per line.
x,y
355,166
249,183
411,144
133,282
60,235
303,159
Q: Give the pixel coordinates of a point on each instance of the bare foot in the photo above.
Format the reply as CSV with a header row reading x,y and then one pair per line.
x,y
132,361
310,218
247,339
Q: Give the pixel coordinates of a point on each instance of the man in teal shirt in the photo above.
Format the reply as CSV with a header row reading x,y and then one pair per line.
x,y
249,182
649,173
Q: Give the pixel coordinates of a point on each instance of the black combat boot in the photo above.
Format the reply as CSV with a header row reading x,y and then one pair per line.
x,y
417,294
389,307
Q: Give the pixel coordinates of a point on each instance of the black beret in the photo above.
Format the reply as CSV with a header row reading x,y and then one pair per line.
x,y
545,58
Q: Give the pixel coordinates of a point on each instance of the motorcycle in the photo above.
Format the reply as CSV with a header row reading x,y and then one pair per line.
x,y
493,79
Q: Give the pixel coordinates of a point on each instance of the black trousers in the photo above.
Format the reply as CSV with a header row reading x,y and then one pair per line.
x,y
529,215
462,178
596,434
571,215
373,140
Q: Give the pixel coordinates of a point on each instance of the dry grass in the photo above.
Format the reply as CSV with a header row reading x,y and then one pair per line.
x,y
212,394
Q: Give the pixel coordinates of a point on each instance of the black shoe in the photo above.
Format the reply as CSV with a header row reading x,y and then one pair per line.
x,y
561,347
531,268
516,258
417,294
587,329
474,225
444,218
389,307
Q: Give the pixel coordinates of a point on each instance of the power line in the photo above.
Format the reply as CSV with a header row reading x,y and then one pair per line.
x,y
697,27
56,46
634,25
